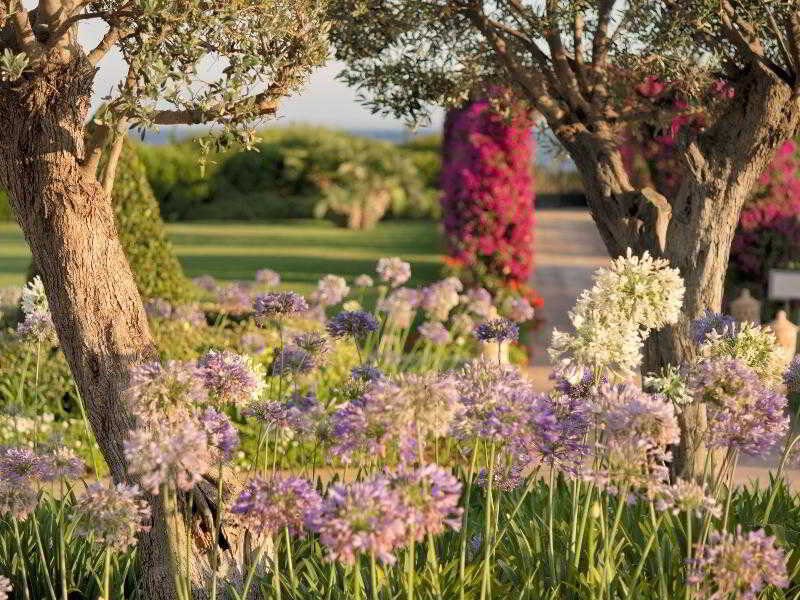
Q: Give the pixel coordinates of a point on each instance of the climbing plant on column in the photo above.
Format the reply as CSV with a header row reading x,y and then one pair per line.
x,y
488,193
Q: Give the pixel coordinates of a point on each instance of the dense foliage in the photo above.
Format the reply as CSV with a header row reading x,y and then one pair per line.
x,y
487,193
295,172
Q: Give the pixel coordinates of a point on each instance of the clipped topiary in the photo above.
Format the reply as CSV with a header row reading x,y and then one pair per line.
x,y
155,266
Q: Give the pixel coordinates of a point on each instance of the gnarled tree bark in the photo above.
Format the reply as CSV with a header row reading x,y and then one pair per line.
x,y
68,222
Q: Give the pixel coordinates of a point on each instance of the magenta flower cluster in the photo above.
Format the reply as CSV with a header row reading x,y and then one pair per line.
x,y
488,196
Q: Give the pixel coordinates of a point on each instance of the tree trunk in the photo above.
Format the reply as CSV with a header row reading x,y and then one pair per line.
x,y
68,222
695,229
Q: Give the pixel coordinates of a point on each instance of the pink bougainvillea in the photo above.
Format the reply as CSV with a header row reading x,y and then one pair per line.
x,y
488,195
768,235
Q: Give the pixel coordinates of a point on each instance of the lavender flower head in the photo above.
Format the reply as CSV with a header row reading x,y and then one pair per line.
x,y
292,360
434,332
497,330
268,277
366,517
439,298
479,302
366,373
791,378
38,328
223,436
314,343
158,308
205,282
18,499
519,310
430,494
21,466
231,378
156,390
113,515
235,298
267,506
363,281
190,314
278,305
710,321
743,414
253,343
298,415
331,290
738,565
169,452
34,299
688,497
399,306
5,588
65,464
393,271
356,325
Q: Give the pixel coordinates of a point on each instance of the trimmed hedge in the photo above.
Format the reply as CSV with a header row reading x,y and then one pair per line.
x,y
153,261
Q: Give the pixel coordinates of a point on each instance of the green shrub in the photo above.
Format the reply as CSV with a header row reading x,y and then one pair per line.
x,y
155,267
5,207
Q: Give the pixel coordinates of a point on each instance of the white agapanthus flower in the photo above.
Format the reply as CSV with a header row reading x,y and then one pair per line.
x,y
670,384
34,300
613,318
754,345
641,289
598,343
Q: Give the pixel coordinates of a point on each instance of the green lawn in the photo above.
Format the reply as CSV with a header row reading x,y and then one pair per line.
x,y
301,251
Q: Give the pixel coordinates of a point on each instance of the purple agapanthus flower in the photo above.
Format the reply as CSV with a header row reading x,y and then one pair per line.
x,y
222,434
253,343
738,565
230,377
20,466
792,376
267,506
205,282
268,277
292,360
434,332
158,308
235,298
278,305
743,413
156,389
355,324
497,330
113,515
711,321
366,373
366,517
314,343
430,495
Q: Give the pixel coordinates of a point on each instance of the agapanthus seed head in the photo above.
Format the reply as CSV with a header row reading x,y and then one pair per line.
x,y
113,515
267,506
356,325
231,378
278,305
497,330
393,271
314,343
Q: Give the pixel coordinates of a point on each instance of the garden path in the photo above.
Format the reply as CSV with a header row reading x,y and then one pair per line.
x,y
568,249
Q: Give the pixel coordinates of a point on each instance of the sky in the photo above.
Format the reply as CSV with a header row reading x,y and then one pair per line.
x,y
324,101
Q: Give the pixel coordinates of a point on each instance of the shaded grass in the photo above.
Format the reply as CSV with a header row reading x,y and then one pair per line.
x,y
300,250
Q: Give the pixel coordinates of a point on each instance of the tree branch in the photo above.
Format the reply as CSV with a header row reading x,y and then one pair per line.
x,y
561,65
22,25
109,40
113,157
265,102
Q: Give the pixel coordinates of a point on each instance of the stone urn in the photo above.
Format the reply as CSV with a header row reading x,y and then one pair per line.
x,y
746,308
786,334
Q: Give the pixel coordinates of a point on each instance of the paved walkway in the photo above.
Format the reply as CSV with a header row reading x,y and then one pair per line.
x,y
568,250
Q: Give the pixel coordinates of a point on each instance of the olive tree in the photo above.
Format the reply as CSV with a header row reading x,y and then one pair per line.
x,y
577,63
225,62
